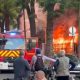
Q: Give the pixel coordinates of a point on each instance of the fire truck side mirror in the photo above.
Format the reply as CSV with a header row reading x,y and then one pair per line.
x,y
3,41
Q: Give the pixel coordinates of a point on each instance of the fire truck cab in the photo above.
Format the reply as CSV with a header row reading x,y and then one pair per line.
x,y
10,45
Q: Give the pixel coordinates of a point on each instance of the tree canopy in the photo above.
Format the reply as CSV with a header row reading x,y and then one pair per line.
x,y
8,11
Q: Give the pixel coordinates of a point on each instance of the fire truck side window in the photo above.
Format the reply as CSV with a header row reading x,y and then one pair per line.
x,y
31,44
2,43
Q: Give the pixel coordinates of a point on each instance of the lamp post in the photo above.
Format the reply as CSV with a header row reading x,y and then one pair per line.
x,y
72,33
24,28
23,9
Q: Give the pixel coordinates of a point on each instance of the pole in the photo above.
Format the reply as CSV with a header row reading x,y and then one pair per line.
x,y
24,28
73,39
72,33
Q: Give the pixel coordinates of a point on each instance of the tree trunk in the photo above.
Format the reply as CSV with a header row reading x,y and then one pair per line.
x,y
7,22
32,26
49,33
18,21
41,38
2,26
31,15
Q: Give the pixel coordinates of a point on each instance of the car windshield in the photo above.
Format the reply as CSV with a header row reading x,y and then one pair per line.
x,y
12,43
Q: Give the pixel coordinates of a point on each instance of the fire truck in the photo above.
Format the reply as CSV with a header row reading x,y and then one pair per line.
x,y
11,43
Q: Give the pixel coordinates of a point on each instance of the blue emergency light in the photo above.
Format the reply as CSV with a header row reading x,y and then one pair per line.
x,y
13,34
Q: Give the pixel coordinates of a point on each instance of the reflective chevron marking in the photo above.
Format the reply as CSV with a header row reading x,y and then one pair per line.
x,y
9,53
3,53
16,53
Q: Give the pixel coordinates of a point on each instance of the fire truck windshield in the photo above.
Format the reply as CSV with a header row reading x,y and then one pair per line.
x,y
12,43
17,43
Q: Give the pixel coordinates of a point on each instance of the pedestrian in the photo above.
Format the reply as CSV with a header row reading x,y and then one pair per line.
x,y
21,68
40,55
40,75
62,70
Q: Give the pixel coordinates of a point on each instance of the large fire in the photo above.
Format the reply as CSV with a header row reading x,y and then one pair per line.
x,y
62,37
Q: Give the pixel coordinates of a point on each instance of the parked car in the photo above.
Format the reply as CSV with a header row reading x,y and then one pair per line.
x,y
77,68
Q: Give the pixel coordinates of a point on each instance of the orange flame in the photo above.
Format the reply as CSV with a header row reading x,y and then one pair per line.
x,y
61,37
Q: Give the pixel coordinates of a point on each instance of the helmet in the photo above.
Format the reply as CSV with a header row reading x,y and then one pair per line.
x,y
38,51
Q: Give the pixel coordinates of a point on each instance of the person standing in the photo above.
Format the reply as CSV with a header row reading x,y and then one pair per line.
x,y
44,58
62,71
21,68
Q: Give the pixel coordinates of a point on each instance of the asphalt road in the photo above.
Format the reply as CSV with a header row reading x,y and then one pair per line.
x,y
11,76
5,76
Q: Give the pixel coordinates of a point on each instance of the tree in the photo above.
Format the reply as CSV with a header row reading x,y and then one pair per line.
x,y
9,12
31,15
29,6
52,13
41,37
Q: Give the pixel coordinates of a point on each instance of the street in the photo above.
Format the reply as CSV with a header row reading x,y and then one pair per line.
x,y
5,76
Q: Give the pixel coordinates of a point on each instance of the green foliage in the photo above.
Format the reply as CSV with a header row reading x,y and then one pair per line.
x,y
21,3
66,4
10,8
48,5
1,6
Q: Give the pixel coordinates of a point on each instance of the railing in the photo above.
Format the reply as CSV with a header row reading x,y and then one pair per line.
x,y
75,74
